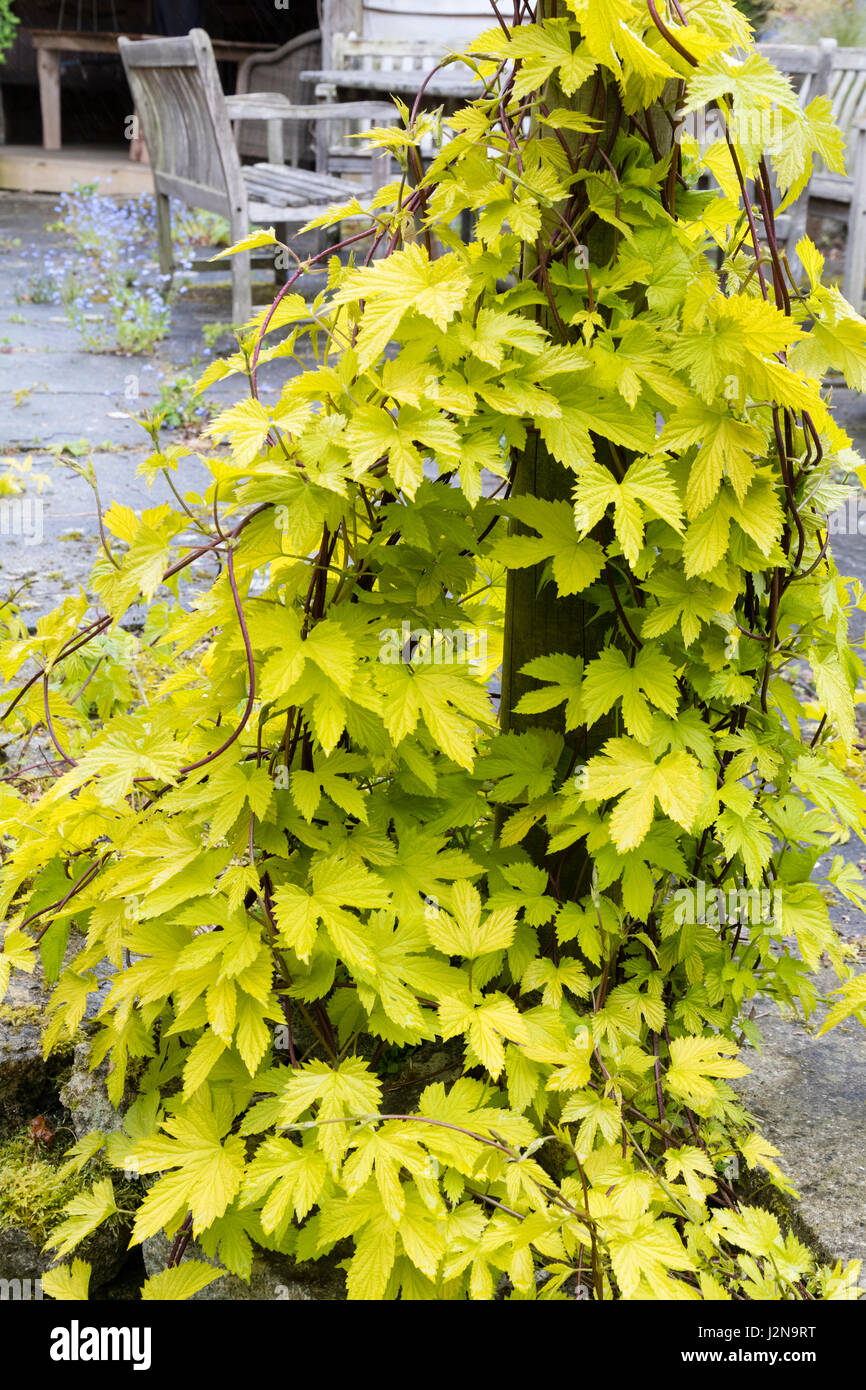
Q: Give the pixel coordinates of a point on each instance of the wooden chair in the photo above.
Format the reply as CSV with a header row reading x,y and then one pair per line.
x,y
840,73
336,149
828,191
279,72
349,51
186,124
855,252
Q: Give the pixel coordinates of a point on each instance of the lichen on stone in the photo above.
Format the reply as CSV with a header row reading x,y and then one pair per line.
x,y
32,1194
13,1017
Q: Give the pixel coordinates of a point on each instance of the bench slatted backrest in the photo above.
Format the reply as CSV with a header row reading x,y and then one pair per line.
x,y
280,72
809,66
826,69
348,51
810,69
848,90
179,100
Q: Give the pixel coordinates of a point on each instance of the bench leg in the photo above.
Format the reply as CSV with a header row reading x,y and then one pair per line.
x,y
380,171
163,229
324,135
281,270
798,214
855,254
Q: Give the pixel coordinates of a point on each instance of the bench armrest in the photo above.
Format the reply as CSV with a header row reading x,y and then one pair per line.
x,y
263,106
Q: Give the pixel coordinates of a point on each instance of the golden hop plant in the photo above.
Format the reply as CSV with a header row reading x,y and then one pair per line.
x,y
277,836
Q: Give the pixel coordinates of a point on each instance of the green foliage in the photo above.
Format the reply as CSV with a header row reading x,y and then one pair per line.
x,y
212,332
757,12
68,1283
180,1282
179,406
304,845
810,20
8,27
16,473
37,288
198,227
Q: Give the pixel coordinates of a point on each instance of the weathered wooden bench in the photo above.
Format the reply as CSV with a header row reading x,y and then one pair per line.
x,y
186,122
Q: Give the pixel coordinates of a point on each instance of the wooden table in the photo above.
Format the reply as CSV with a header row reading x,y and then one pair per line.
x,y
50,43
393,80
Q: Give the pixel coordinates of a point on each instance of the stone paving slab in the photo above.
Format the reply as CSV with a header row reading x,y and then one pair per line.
x,y
809,1097
63,405
60,534
103,389
45,327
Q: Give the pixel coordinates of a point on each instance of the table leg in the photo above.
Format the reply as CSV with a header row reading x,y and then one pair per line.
x,y
48,66
325,136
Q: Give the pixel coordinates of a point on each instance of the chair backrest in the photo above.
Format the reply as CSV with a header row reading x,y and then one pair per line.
x,y
825,69
809,66
180,103
280,72
349,52
848,91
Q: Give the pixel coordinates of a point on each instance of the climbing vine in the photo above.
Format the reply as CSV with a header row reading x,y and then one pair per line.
x,y
452,993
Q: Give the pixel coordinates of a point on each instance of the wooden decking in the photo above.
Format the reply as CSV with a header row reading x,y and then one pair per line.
x,y
31,169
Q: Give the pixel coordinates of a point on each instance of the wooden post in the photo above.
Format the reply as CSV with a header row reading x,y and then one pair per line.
x,y
855,258
339,17
48,67
538,622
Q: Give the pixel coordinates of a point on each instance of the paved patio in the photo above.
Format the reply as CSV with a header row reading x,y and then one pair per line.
x,y
53,392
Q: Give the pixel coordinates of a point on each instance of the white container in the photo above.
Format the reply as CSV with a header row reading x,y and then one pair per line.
x,y
451,23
